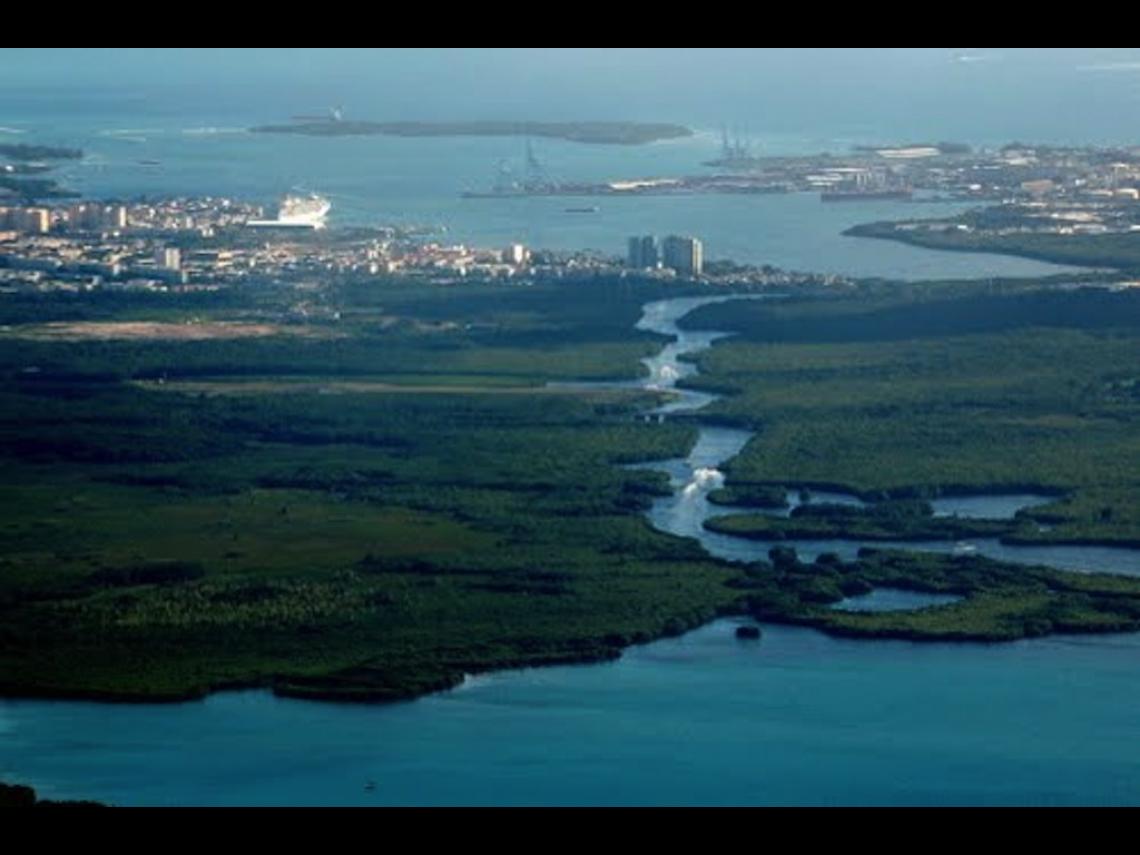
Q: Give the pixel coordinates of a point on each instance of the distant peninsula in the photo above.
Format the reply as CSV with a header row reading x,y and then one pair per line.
x,y
609,133
23,151
29,190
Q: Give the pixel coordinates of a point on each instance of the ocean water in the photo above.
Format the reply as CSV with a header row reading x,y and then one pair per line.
x,y
393,181
799,718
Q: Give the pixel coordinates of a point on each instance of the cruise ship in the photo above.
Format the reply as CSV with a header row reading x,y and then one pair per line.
x,y
298,212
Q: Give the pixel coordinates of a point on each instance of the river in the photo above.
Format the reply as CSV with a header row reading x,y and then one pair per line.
x,y
695,476
796,719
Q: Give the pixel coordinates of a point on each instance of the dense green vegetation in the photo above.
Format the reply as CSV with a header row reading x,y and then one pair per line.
x,y
359,545
1001,602
907,392
1118,249
894,519
751,495
374,508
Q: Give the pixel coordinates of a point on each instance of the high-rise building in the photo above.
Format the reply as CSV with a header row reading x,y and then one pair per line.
x,y
683,254
168,258
115,217
37,220
77,217
34,220
94,218
643,252
515,254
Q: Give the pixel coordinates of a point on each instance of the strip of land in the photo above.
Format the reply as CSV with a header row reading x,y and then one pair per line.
x,y
1116,250
608,133
27,151
158,331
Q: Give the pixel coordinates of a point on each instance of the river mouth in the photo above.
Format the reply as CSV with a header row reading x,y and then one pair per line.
x,y
802,718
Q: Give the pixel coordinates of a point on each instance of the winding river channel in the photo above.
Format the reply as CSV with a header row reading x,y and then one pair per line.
x,y
693,477
704,719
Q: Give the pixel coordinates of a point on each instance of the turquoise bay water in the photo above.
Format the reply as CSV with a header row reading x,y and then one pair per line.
x,y
703,719
387,180
799,718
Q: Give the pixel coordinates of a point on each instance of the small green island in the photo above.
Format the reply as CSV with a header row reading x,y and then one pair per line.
x,y
33,189
898,519
999,601
30,159
605,133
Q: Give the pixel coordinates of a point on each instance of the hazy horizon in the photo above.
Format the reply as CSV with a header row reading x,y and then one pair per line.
x,y
972,94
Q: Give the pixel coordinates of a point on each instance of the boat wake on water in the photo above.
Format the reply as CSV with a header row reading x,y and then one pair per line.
x,y
705,478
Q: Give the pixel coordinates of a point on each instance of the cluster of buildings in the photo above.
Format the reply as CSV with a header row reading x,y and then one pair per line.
x,y
683,255
1014,172
75,218
44,261
14,221
208,243
201,217
93,217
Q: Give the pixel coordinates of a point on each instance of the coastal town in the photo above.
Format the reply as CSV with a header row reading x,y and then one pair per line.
x,y
186,244
1021,193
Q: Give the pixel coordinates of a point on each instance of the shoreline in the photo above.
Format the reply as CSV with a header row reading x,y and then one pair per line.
x,y
917,491
339,686
1008,539
606,648
879,231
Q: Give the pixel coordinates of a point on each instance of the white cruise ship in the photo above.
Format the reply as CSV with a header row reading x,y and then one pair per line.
x,y
298,212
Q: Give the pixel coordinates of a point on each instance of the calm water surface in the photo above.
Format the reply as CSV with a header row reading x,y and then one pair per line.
x,y
388,180
799,718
